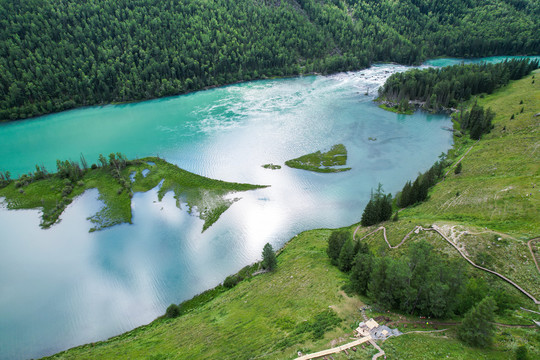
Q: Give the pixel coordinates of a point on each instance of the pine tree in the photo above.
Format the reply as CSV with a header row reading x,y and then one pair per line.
x,y
361,272
172,311
477,328
379,287
404,199
386,208
269,258
346,256
335,243
369,216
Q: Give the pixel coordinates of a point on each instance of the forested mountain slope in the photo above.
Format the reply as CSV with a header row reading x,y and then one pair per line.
x,y
60,54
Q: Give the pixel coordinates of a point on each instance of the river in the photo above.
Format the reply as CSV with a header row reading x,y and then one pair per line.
x,y
64,286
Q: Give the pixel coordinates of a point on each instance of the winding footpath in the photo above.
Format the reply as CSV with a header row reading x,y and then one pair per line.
x,y
435,228
457,162
530,244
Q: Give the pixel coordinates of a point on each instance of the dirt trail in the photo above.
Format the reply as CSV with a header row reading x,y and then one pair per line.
x,y
455,164
530,244
435,228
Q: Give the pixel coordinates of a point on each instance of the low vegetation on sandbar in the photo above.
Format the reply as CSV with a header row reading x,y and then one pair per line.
x,y
271,166
117,179
326,162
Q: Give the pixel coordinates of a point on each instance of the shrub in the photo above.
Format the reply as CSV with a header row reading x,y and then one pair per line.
x,y
172,311
67,190
457,169
231,281
477,327
521,353
269,257
335,243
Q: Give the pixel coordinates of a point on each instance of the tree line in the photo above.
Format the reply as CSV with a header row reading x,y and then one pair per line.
x,y
421,282
417,191
446,87
378,209
60,54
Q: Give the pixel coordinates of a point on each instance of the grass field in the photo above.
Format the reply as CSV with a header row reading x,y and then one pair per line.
x,y
322,162
485,209
499,186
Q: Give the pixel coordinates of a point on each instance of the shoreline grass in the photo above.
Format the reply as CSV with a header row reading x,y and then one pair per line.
x,y
396,110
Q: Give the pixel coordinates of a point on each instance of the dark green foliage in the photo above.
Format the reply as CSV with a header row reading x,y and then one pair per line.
x,y
68,170
319,325
335,243
346,255
5,178
512,117
172,311
473,292
360,272
231,281
448,86
421,282
418,191
477,328
378,209
477,121
457,169
269,258
521,353
40,173
56,55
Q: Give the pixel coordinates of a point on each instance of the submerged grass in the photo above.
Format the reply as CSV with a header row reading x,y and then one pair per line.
x,y
205,195
322,162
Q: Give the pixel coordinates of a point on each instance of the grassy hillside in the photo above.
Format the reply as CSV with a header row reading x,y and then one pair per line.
x,y
272,315
499,185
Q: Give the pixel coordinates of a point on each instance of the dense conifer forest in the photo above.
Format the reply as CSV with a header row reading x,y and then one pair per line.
x,y
59,54
448,86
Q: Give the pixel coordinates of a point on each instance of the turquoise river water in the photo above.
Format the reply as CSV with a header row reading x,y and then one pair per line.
x,y
64,286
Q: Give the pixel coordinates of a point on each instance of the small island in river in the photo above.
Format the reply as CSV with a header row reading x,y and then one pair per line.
x,y
326,162
117,179
271,166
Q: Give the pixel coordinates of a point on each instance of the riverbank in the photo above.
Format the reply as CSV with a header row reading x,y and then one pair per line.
x,y
264,316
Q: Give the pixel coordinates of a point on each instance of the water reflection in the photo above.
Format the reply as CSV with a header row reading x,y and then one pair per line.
x,y
64,286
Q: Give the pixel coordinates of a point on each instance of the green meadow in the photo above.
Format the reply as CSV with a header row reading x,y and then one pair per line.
x,y
490,209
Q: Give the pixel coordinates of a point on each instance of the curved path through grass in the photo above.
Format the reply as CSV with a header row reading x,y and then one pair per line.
x,y
435,228
530,245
